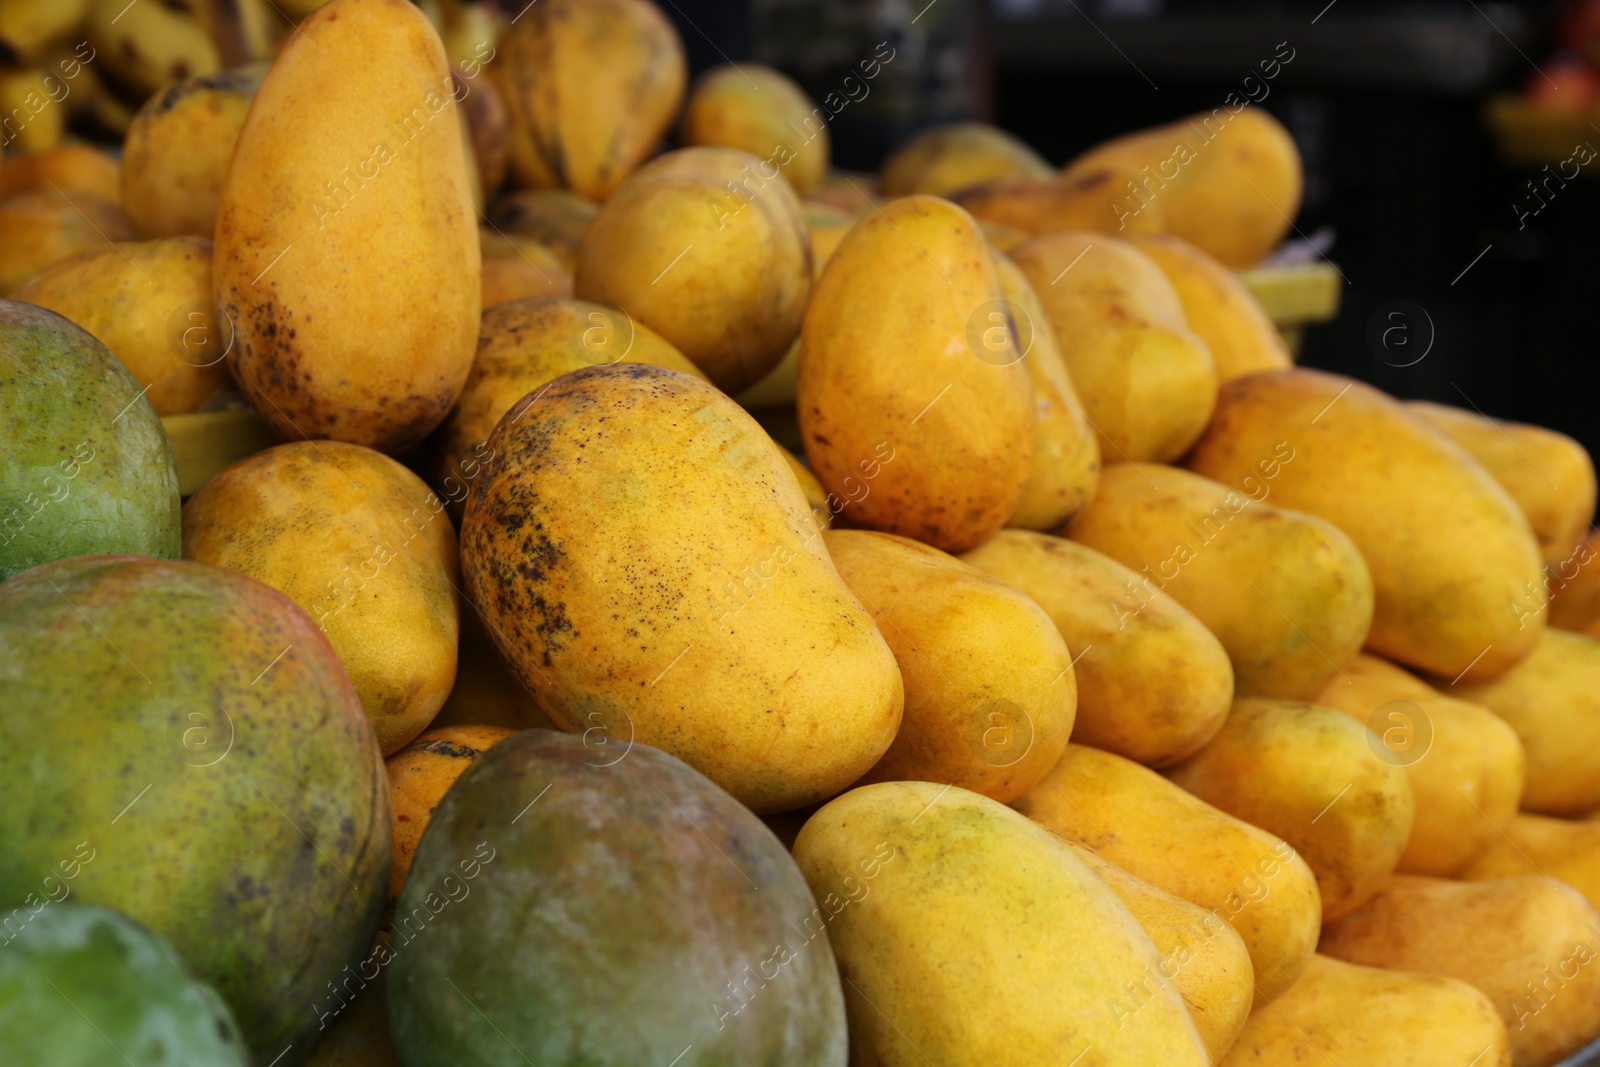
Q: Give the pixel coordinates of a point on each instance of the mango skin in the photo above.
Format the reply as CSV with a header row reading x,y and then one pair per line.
x,y
311,519
1351,1016
555,218
1455,567
967,934
1238,183
1086,203
1153,683
41,228
505,280
364,330
1564,849
893,362
1528,944
87,466
602,547
637,882
590,88
1467,779
176,151
261,847
1286,593
485,693
1147,380
1219,308
72,167
990,692
1552,700
947,159
419,776
761,111
1202,956
1548,474
150,302
709,249
1166,836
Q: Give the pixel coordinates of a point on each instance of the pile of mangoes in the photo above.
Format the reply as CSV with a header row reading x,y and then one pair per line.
x,y
1099,689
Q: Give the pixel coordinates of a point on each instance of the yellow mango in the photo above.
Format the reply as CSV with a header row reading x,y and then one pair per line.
x,y
590,87
1086,203
812,489
1158,832
1228,182
711,252
72,168
483,112
850,191
485,693
1147,381
150,303
761,111
1341,1015
1452,557
1531,945
419,776
41,228
967,935
648,567
1564,849
1219,308
1552,700
364,547
176,152
913,404
990,694
346,249
1202,956
947,159
1464,763
1548,474
1153,684
505,280
1574,588
1286,593
1066,453
495,243
556,218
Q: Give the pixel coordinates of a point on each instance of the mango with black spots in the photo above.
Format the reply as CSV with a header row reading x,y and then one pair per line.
x,y
419,776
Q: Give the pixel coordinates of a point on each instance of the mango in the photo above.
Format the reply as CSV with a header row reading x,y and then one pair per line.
x,y
176,152
419,776
1218,307
1563,849
1464,763
1528,944
760,110
321,242
353,1023
1454,563
496,244
1153,683
1066,453
196,731
989,690
555,218
913,404
505,280
1573,586
72,167
1286,593
1548,474
41,228
1349,1016
967,934
1158,832
852,191
1035,205
1148,382
1228,182
590,87
485,693
86,466
364,547
1552,700
484,118
947,159
607,578
550,884
150,303
708,249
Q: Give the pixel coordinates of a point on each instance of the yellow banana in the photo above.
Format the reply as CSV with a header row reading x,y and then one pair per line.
x,y
145,45
27,27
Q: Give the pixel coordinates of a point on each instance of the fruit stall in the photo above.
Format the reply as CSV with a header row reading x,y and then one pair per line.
x,y
596,533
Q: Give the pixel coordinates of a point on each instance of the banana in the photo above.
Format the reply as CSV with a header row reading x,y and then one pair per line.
x,y
145,45
27,27
33,113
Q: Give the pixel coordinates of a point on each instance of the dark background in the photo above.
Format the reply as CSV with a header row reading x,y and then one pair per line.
x,y
1385,100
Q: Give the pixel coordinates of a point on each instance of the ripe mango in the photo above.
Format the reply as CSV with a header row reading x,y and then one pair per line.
x,y
556,218
41,228
1574,588
1452,557
1034,205
1563,849
760,110
899,356
72,167
648,567
346,250
947,159
505,280
419,776
967,934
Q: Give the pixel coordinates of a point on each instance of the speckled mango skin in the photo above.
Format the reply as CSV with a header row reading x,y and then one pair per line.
x,y
419,776
260,848
364,547
351,167
85,465
1280,764
649,568
632,883
888,358
967,934
1456,571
